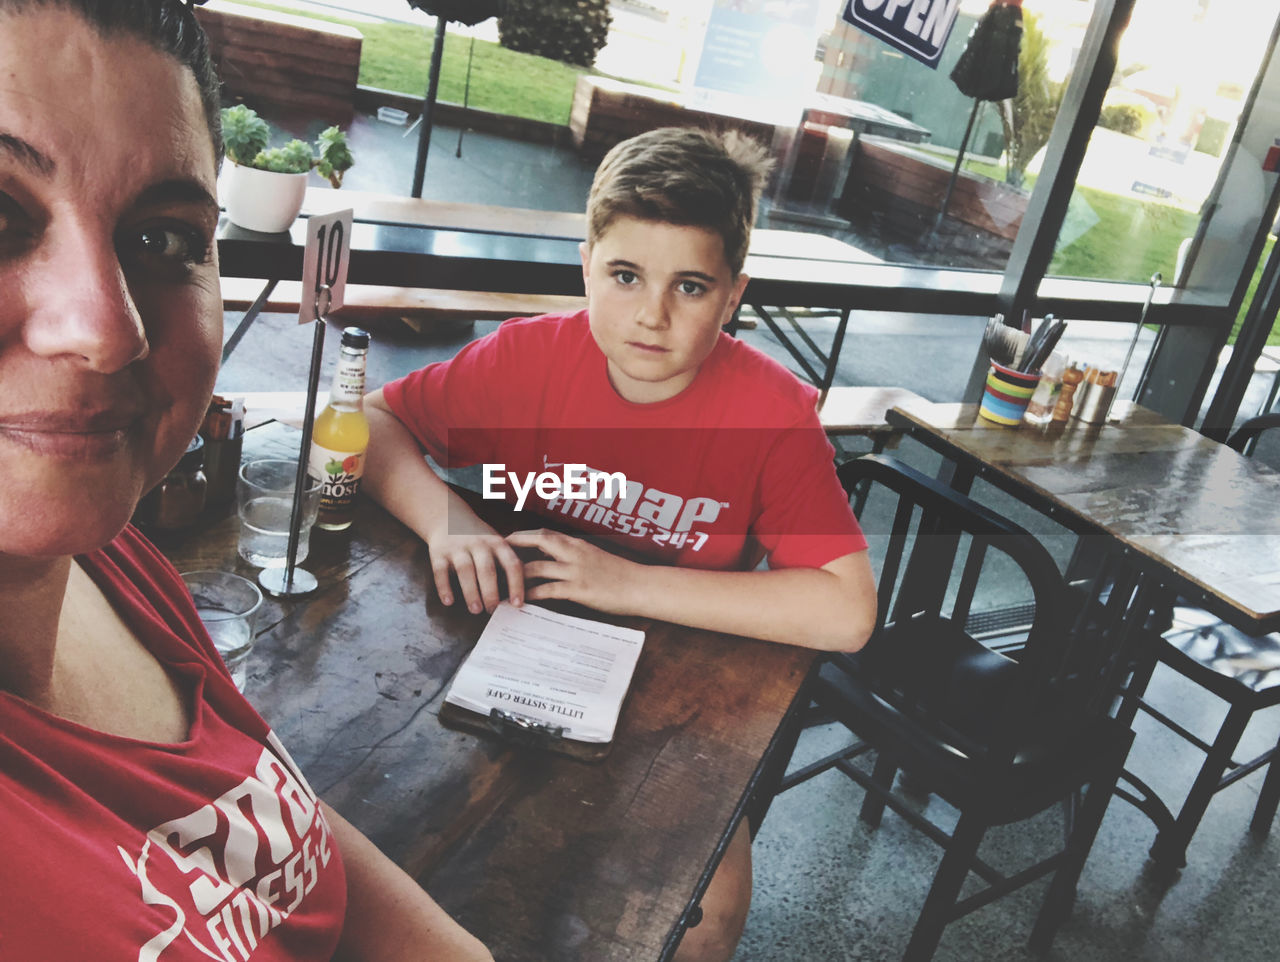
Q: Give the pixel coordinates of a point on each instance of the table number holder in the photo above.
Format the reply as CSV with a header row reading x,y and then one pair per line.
x,y
326,261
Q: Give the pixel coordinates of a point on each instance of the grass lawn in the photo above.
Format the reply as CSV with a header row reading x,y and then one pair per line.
x,y
1273,339
395,57
1131,240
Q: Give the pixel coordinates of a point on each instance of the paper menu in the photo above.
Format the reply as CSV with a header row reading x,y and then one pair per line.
x,y
549,668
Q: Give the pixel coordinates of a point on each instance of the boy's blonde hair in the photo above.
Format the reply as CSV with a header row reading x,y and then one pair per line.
x,y
686,176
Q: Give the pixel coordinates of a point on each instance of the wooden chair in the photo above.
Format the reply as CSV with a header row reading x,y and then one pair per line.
x,y
1240,669
1000,736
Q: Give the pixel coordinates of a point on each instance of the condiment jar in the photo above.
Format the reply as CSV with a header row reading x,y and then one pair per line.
x,y
176,502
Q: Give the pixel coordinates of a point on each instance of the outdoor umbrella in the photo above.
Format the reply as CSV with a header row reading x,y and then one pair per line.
x,y
469,12
987,70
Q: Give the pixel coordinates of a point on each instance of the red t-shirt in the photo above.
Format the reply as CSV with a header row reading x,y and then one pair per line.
x,y
733,468
114,848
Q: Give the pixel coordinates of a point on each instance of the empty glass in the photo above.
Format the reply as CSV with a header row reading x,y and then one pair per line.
x,y
227,604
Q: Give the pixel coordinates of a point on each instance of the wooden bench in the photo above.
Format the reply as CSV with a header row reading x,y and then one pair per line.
x,y
373,207
270,58
846,411
416,307
419,307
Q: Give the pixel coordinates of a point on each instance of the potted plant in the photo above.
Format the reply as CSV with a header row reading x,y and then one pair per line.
x,y
265,186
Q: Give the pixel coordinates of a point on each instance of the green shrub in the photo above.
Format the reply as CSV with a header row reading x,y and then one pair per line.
x,y
1125,119
571,31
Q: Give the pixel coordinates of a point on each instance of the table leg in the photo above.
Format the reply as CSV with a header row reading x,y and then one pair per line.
x,y
247,319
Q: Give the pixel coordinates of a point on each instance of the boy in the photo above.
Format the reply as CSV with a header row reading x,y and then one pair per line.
x,y
723,457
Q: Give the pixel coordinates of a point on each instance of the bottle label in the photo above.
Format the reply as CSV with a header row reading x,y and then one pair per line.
x,y
340,473
348,380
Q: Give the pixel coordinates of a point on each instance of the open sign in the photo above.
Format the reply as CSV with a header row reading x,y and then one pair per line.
x,y
919,28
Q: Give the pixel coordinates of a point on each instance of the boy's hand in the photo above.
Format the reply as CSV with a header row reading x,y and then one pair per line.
x,y
473,551
576,570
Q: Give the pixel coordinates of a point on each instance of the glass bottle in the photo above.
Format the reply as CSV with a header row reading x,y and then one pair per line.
x,y
340,436
176,502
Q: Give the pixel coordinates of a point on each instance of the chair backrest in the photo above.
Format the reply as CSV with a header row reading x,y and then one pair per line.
x,y
938,550
1245,438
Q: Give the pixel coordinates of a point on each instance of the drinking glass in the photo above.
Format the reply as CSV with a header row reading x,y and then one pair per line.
x,y
227,605
264,494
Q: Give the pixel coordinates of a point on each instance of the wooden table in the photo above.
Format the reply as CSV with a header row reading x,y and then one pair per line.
x,y
1204,519
541,856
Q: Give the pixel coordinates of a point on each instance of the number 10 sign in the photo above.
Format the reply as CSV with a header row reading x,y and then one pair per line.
x,y
324,266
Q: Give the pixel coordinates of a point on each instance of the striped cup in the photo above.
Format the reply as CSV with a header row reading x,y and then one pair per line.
x,y
1007,393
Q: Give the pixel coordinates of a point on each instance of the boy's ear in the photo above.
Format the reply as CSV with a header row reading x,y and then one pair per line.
x,y
584,251
739,287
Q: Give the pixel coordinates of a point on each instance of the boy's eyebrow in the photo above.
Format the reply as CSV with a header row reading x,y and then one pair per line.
x,y
26,154
699,275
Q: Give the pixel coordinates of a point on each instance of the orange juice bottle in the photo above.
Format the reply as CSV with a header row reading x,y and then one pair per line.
x,y
340,436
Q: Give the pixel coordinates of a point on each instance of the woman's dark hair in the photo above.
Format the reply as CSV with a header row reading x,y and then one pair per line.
x,y
169,26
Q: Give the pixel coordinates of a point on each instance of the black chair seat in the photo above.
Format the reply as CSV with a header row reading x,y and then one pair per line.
x,y
1045,769
1228,662
1001,736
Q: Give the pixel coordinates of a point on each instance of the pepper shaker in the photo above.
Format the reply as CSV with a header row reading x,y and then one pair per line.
x,y
1071,379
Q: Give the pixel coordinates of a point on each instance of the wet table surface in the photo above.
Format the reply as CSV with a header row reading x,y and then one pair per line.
x,y
1207,517
543,856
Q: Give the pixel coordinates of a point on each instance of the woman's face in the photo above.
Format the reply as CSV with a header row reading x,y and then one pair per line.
x,y
110,316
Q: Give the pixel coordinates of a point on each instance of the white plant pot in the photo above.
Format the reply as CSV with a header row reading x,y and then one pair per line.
x,y
262,200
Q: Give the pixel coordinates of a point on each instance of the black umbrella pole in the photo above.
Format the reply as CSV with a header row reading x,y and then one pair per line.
x,y
955,171
429,107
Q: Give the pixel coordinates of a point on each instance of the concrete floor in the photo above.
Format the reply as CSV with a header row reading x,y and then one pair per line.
x,y
827,887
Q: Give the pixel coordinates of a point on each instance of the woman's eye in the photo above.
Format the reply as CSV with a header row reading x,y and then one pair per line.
x,y
165,247
626,278
692,288
15,227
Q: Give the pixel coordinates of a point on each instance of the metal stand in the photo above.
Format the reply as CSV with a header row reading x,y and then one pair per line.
x,y
955,171
466,95
429,106
1156,278
292,580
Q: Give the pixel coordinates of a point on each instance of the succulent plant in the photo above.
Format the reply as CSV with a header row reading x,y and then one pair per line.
x,y
244,133
246,136
335,156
